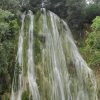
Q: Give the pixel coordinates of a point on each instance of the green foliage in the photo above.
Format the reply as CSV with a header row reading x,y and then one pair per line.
x,y
76,16
9,4
93,39
8,30
92,11
96,24
70,10
25,95
91,50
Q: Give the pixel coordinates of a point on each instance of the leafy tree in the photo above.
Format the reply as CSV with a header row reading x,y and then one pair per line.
x,y
13,5
75,10
92,11
91,50
96,1
8,30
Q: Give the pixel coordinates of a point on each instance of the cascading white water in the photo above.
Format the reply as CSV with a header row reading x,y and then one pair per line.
x,y
31,72
19,82
55,69
85,77
57,93
58,60
17,95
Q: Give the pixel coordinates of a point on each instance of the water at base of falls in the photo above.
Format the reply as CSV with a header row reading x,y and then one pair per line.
x,y
48,64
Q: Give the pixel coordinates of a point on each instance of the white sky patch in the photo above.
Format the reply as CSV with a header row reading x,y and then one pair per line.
x,y
89,1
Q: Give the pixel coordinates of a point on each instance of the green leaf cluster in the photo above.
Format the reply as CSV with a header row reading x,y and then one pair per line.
x,y
8,30
91,50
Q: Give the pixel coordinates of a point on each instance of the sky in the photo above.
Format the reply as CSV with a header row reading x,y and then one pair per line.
x,y
89,1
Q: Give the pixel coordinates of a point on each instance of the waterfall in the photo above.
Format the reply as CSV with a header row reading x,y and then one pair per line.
x,y
49,65
17,84
31,74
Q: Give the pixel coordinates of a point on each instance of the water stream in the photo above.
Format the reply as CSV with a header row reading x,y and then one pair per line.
x,y
55,68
